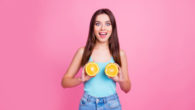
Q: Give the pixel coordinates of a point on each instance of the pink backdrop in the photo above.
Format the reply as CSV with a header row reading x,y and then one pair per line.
x,y
40,37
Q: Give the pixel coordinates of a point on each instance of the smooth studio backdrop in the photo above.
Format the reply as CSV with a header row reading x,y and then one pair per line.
x,y
38,39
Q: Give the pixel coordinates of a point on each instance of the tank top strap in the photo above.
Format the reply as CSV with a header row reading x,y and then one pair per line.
x,y
90,59
112,59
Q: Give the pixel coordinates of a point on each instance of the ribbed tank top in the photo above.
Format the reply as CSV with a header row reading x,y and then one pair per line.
x,y
100,85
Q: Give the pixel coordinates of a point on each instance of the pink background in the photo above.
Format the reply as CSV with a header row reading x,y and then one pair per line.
x,y
38,39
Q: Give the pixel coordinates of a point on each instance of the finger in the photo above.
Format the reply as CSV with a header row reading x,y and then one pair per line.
x,y
119,68
88,77
109,77
113,78
117,65
120,73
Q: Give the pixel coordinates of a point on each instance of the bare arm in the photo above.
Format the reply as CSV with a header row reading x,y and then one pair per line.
x,y
125,84
69,79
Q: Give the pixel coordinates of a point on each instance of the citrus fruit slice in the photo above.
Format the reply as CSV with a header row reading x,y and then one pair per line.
x,y
92,68
111,69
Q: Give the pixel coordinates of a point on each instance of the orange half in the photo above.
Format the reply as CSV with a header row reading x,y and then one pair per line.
x,y
92,68
111,70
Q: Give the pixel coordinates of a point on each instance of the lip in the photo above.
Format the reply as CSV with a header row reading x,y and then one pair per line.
x,y
102,33
103,36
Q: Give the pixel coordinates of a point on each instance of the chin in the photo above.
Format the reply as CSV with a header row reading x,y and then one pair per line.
x,y
103,40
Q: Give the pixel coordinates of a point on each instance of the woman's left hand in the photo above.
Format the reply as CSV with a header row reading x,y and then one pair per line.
x,y
119,76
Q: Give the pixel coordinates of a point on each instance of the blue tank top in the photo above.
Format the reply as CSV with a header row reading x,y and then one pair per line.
x,y
100,85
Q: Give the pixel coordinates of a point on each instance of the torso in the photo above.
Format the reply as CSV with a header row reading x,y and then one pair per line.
x,y
100,85
99,55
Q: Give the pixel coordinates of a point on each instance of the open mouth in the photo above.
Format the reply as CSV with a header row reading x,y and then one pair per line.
x,y
102,34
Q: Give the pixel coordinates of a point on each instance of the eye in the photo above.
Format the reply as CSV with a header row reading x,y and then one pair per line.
x,y
97,24
108,24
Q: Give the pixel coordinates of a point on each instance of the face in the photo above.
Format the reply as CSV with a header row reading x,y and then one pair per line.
x,y
102,28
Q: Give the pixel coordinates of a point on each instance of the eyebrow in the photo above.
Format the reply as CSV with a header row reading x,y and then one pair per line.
x,y
99,21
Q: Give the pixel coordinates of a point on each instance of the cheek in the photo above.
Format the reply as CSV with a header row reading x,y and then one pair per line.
x,y
110,30
96,32
96,28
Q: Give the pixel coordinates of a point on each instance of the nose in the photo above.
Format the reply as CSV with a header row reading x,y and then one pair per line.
x,y
103,27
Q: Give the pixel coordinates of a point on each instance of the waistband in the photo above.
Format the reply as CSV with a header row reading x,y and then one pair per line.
x,y
100,99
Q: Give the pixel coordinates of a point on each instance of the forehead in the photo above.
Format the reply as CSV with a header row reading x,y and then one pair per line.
x,y
102,18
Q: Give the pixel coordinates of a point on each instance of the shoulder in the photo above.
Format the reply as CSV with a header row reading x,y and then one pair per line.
x,y
80,50
122,53
78,54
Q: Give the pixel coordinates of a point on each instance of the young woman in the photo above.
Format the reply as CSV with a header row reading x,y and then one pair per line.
x,y
102,47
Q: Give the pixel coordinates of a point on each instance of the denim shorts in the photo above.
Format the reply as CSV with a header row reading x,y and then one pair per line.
x,y
88,102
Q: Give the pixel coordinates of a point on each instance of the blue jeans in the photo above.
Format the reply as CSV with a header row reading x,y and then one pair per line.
x,y
99,103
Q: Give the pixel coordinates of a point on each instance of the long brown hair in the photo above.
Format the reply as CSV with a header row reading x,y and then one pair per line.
x,y
113,40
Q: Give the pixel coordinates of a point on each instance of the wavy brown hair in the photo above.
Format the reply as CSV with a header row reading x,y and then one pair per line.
x,y
113,40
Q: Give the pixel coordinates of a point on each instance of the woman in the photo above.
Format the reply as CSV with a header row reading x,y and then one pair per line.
x,y
102,47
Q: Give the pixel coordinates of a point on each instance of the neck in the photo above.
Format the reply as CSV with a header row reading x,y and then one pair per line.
x,y
101,45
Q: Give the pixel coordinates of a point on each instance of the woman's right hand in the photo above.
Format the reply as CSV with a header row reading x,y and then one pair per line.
x,y
84,76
